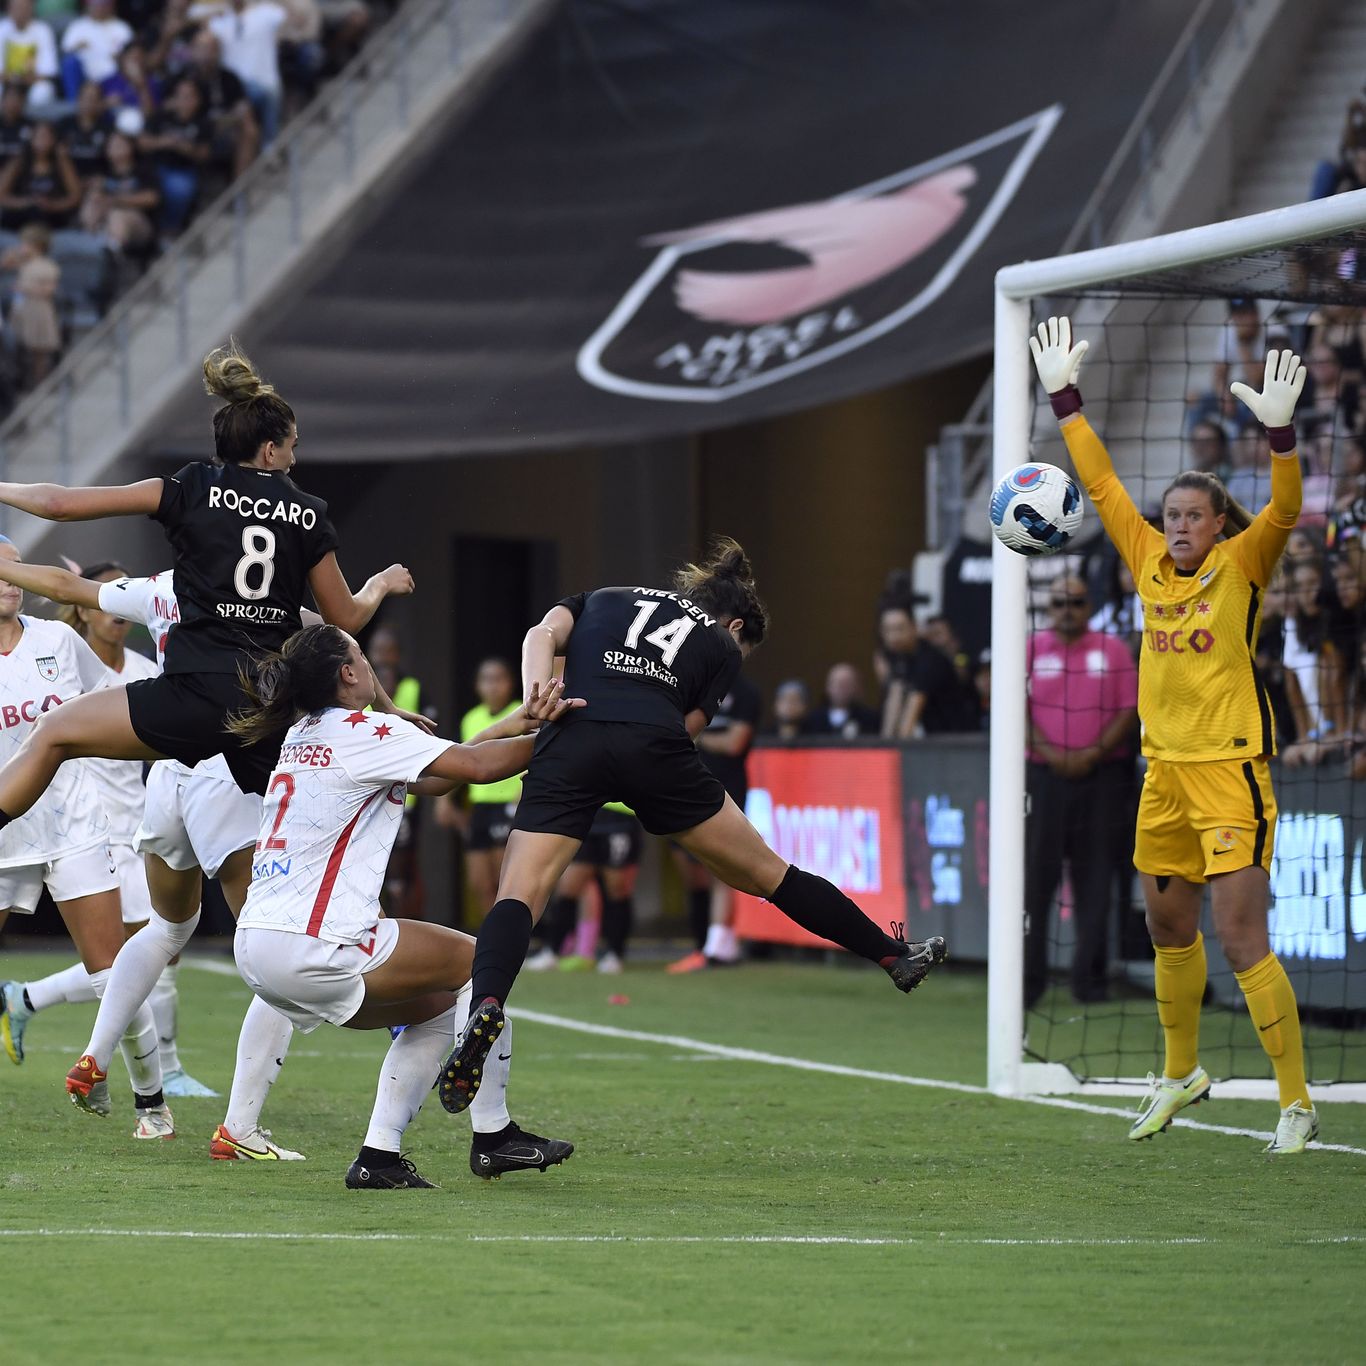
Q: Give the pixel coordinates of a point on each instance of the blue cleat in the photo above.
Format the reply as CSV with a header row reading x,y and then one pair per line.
x,y
181,1083
14,1015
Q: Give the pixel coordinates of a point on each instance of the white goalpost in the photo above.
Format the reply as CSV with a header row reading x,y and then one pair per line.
x,y
1211,255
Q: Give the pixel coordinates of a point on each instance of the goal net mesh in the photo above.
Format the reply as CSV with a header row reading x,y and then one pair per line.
x,y
1162,349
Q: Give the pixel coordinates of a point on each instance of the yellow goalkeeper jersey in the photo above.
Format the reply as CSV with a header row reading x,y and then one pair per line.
x,y
1199,694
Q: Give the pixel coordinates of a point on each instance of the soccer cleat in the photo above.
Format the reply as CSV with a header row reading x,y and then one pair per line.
x,y
913,964
518,1152
14,1015
541,961
575,962
88,1087
155,1123
401,1176
697,961
611,964
181,1083
257,1146
1165,1099
458,1082
1297,1129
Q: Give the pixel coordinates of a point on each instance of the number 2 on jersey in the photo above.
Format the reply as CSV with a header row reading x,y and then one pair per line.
x,y
258,552
284,781
669,637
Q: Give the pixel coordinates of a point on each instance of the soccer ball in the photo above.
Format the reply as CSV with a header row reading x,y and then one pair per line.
x,y
1036,509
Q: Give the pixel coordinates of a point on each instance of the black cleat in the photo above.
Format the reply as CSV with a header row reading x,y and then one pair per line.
x,y
458,1082
519,1152
915,962
401,1176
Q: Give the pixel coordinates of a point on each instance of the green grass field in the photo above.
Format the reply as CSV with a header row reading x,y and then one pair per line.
x,y
977,1228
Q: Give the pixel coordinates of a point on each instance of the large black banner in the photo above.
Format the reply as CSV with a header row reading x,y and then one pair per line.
x,y
674,215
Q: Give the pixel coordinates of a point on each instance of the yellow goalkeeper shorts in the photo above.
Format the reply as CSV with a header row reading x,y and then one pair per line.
x,y
1196,821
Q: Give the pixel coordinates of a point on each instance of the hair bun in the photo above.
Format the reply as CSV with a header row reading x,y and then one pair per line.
x,y
229,374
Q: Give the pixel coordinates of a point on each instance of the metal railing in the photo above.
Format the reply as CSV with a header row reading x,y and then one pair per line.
x,y
958,465
244,245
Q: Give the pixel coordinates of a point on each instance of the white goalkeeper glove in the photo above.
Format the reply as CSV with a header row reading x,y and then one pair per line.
x,y
1281,388
1055,358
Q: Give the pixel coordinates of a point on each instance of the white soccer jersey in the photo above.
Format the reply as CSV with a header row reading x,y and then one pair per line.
x,y
331,816
50,665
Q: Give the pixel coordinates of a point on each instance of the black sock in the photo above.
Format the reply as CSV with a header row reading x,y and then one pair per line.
x,y
503,940
486,1143
699,914
820,906
616,923
558,922
376,1158
148,1102
28,1003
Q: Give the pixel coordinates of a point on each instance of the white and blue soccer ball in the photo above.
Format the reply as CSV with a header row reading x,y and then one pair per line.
x,y
1036,509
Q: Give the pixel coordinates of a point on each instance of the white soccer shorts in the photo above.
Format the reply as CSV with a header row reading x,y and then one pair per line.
x,y
68,878
310,980
134,896
195,819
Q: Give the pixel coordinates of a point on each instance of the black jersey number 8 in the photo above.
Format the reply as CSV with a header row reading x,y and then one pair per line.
x,y
669,637
258,552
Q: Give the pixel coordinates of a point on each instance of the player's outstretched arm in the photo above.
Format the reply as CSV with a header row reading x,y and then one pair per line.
x,y
51,582
1058,362
57,503
1260,546
339,606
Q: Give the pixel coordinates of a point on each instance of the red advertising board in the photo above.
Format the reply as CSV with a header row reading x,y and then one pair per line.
x,y
834,812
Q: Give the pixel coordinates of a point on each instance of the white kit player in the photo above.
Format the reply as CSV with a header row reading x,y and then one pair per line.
x,y
312,939
63,842
193,820
122,795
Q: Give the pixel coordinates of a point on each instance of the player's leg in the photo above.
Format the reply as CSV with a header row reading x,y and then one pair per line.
x,y
96,725
95,924
735,851
21,1001
698,883
164,998
1087,818
618,909
557,926
1044,838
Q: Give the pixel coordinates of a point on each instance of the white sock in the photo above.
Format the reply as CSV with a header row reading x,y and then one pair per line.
x,y
164,1001
721,943
489,1108
70,986
136,969
261,1049
405,1079
138,1043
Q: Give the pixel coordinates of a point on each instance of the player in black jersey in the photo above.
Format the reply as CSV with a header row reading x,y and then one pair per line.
x,y
652,665
247,541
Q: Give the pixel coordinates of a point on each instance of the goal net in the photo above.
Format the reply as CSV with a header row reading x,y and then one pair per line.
x,y
1170,320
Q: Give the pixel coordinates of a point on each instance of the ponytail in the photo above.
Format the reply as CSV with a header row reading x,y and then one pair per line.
x,y
252,413
68,612
297,680
724,584
1235,515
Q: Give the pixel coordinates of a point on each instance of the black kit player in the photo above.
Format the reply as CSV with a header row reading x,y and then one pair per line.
x,y
652,665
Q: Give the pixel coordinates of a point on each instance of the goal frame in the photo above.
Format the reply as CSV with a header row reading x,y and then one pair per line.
x,y
1008,1072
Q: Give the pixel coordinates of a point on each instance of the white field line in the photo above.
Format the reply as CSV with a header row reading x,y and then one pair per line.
x,y
775,1239
683,1044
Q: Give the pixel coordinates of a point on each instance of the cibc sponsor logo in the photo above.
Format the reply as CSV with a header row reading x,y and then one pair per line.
x,y
840,843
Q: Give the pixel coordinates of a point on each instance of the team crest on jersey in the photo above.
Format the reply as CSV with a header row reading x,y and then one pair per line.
x,y
47,668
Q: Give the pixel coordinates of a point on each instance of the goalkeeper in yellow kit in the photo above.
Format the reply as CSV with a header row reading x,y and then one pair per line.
x,y
1208,813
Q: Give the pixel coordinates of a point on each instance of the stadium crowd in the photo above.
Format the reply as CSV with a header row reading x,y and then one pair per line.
x,y
118,122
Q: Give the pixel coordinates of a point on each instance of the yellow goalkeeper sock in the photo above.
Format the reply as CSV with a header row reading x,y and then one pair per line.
x,y
1179,985
1271,1003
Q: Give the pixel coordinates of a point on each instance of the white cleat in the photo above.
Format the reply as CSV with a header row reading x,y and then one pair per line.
x,y
257,1146
1297,1129
542,961
1165,1099
155,1123
611,964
